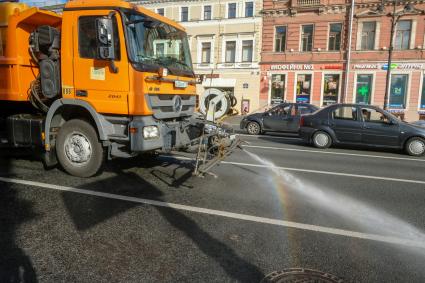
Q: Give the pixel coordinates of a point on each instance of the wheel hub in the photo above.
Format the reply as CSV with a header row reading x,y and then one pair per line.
x,y
77,148
321,139
417,147
252,127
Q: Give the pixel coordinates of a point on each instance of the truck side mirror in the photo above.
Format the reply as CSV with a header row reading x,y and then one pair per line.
x,y
105,38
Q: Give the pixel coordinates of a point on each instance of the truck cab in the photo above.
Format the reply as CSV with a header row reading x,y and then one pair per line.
x,y
104,79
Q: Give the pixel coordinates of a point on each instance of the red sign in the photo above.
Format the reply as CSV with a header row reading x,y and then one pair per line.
x,y
332,67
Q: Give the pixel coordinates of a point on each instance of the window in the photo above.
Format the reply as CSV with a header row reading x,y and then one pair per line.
x,y
335,37
280,39
207,13
247,50
368,36
231,13
159,49
345,113
206,52
402,35
302,109
87,39
303,90
184,14
249,9
364,89
281,110
230,51
277,89
160,11
398,91
307,38
330,88
371,115
422,105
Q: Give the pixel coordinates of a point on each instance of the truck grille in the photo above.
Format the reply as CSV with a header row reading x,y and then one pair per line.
x,y
165,106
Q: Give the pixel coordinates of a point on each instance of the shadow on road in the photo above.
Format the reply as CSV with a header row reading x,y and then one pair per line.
x,y
89,211
15,265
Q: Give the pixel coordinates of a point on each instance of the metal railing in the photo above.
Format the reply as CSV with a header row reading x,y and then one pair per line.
x,y
307,3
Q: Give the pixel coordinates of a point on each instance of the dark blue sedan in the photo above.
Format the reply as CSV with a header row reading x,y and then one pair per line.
x,y
284,117
356,124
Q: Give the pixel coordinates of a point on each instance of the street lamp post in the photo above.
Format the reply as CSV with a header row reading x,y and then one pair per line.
x,y
395,17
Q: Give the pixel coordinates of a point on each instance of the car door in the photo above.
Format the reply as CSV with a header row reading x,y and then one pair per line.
x,y
378,128
295,115
277,118
345,122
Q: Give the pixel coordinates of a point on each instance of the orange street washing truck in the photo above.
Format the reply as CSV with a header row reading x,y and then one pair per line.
x,y
104,79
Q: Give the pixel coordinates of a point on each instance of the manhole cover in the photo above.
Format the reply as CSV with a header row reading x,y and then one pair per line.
x,y
301,275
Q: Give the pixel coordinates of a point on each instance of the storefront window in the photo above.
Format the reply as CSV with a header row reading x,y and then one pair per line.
x,y
278,89
398,91
330,89
364,89
422,105
303,88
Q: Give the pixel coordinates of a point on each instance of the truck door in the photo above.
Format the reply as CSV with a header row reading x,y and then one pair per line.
x,y
94,79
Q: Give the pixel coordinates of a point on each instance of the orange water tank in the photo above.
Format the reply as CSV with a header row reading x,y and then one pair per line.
x,y
6,10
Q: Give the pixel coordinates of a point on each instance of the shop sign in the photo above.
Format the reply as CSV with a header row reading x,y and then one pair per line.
x,y
394,66
332,67
292,67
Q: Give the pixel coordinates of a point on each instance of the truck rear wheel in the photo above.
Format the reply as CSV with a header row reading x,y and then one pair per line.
x,y
78,149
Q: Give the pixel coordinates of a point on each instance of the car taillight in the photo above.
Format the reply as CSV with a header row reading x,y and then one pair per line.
x,y
302,121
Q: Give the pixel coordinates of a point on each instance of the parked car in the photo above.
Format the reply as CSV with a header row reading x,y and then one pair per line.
x,y
284,117
361,125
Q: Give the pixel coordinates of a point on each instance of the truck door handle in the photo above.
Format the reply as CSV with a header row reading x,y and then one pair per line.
x,y
81,93
366,127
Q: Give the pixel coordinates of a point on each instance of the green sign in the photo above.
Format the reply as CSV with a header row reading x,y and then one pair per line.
x,y
363,90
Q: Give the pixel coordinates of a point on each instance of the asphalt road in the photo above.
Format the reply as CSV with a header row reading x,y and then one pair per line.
x,y
355,213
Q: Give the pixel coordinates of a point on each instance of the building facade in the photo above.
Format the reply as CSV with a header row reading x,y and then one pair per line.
x,y
304,54
225,41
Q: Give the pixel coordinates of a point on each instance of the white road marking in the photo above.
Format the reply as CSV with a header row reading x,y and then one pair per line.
x,y
273,137
264,220
335,153
312,171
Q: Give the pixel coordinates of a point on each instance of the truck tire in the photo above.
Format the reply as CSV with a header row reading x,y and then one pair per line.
x,y
78,149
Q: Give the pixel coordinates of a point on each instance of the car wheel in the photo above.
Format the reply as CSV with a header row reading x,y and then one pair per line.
x,y
78,149
322,139
415,146
253,128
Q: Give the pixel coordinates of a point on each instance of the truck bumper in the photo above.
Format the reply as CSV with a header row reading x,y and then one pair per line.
x,y
172,135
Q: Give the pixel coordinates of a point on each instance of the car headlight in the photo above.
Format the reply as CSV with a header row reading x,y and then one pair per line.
x,y
150,132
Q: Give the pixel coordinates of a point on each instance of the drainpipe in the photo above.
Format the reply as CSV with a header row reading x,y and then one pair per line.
x,y
348,62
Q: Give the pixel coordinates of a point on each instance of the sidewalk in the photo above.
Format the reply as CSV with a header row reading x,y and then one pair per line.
x,y
233,121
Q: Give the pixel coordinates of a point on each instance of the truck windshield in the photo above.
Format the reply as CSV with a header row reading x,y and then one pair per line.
x,y
153,44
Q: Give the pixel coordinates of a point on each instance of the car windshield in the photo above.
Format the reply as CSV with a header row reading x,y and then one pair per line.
x,y
153,44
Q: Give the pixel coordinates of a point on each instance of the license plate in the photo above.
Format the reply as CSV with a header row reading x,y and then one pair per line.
x,y
180,84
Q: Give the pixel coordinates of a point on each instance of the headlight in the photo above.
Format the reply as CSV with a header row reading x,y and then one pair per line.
x,y
150,132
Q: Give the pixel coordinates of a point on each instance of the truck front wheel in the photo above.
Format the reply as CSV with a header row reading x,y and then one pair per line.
x,y
78,149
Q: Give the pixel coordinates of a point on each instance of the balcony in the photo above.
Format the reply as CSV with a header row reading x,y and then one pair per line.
x,y
307,3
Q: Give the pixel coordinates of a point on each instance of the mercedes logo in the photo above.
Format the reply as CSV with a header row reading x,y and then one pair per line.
x,y
177,103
